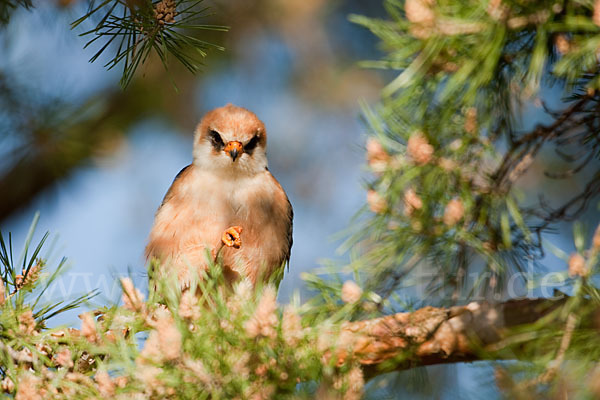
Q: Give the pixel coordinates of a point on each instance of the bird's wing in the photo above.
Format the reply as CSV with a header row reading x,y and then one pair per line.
x,y
170,192
288,212
156,238
287,215
290,215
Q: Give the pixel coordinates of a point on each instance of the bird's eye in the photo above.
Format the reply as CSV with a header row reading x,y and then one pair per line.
x,y
251,144
216,140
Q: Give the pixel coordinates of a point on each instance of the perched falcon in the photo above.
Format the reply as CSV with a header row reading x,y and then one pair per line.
x,y
228,184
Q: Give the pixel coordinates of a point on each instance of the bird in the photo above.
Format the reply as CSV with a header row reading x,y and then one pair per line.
x,y
228,184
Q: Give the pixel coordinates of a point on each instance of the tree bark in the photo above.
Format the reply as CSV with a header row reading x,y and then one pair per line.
x,y
430,335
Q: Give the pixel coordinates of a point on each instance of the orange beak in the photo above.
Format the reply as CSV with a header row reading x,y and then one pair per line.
x,y
234,148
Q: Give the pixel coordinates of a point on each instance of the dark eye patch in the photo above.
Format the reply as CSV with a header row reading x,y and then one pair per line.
x,y
216,140
251,145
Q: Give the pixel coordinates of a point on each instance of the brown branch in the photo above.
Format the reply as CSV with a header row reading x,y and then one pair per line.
x,y
432,335
53,150
562,350
512,165
62,149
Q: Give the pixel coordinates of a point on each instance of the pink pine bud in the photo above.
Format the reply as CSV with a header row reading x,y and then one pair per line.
x,y
376,202
419,149
577,265
454,212
412,202
351,292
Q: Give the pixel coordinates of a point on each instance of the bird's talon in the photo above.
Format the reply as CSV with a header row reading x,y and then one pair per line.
x,y
232,237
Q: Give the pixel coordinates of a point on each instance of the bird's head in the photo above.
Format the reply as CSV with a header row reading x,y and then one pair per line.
x,y
231,139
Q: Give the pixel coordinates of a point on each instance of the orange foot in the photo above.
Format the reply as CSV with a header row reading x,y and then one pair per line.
x,y
232,237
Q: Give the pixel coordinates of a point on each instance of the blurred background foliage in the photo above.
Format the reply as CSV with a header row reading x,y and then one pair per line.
x,y
96,159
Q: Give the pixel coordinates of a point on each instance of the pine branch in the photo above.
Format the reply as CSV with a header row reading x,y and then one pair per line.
x,y
431,335
528,145
17,356
136,28
8,6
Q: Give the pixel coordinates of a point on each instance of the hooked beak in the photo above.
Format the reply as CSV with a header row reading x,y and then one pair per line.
x,y
234,149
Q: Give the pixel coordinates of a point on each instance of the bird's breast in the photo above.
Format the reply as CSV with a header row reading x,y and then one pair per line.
x,y
201,208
